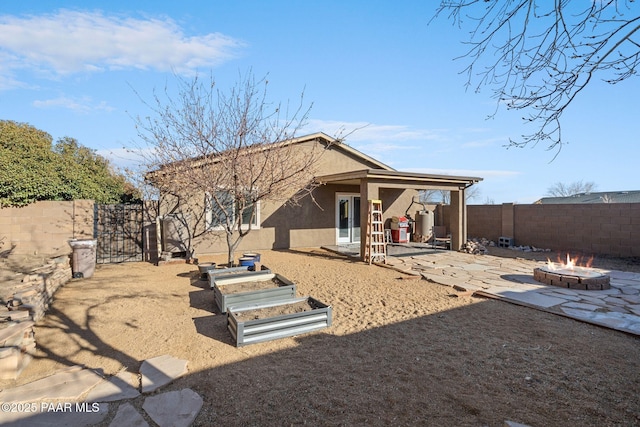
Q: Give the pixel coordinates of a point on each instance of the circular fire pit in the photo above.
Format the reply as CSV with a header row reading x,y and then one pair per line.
x,y
573,278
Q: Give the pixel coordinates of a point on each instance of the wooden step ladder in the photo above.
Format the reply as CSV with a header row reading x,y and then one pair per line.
x,y
376,246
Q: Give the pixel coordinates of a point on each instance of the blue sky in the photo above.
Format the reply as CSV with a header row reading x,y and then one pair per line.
x,y
72,68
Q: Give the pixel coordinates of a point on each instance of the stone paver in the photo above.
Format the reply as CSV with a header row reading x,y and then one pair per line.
x,y
174,408
67,385
77,397
118,387
57,414
161,370
528,297
127,416
512,280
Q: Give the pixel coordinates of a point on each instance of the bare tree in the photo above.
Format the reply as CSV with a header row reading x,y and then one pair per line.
x,y
489,201
606,199
560,189
433,197
539,55
216,156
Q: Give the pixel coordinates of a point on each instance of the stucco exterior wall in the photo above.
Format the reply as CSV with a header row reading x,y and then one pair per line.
x,y
312,223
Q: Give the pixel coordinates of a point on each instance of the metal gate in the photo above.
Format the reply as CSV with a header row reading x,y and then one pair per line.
x,y
118,230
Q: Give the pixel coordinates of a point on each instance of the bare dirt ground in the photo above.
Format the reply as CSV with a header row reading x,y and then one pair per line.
x,y
399,352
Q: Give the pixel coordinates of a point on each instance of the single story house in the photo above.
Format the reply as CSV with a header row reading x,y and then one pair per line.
x,y
338,214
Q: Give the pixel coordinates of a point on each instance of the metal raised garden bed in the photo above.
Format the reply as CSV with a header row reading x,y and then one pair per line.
x,y
252,324
226,273
251,288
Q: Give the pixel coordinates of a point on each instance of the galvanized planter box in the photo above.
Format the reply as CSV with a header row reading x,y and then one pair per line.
x,y
226,273
246,329
269,287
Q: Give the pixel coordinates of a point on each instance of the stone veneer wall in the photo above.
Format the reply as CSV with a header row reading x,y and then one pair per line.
x,y
25,300
36,234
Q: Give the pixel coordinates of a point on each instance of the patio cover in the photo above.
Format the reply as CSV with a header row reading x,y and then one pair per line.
x,y
371,180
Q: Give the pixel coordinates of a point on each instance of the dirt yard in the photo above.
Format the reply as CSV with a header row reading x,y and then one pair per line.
x,y
400,352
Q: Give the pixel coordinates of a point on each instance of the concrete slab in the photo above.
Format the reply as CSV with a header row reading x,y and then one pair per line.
x,y
68,385
160,371
118,387
127,416
175,408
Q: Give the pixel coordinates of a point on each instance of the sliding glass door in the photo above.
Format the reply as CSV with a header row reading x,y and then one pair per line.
x,y
347,218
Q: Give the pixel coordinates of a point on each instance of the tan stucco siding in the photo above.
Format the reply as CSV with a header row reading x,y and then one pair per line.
x,y
310,224
307,225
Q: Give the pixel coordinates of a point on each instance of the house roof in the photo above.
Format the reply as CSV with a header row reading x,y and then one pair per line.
x,y
399,177
594,197
335,143
376,171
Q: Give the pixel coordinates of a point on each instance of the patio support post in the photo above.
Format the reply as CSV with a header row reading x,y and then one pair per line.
x,y
367,191
458,219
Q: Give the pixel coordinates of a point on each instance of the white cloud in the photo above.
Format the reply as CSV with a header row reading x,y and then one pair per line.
x,y
371,132
375,139
68,42
83,105
482,173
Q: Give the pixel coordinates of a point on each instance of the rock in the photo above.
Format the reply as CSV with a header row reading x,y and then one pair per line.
x,y
160,371
174,408
474,247
127,416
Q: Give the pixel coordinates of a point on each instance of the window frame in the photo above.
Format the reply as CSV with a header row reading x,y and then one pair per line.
x,y
220,226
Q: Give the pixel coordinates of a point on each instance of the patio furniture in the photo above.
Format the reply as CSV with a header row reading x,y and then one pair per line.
x,y
440,237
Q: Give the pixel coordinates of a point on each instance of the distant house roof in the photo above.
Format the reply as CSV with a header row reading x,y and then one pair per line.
x,y
594,197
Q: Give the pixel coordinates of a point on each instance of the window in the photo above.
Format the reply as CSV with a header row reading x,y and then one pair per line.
x,y
217,215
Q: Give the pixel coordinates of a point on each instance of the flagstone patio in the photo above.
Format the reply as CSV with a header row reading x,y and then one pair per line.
x,y
511,280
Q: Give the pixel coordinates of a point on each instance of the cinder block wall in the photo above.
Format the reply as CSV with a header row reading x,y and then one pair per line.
x,y
607,229
484,221
44,228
